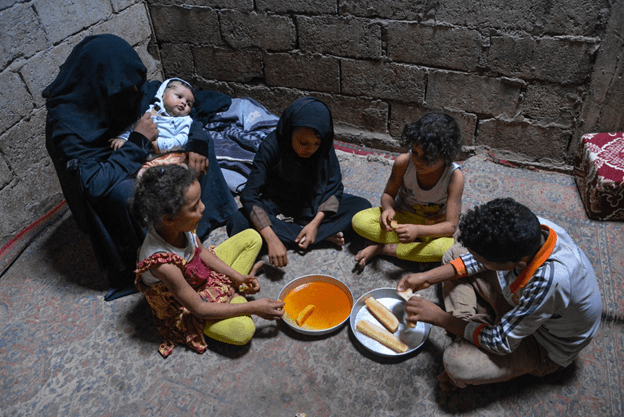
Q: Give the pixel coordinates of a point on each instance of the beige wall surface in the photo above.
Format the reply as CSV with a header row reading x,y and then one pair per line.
x,y
525,79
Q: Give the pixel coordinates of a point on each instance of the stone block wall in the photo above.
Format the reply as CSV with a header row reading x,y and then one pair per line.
x,y
524,78
36,37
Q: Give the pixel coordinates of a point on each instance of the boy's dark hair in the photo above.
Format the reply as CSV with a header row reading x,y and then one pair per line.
x,y
437,134
159,192
502,230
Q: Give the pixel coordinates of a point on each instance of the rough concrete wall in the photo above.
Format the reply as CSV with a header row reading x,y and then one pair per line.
x,y
603,106
514,74
35,39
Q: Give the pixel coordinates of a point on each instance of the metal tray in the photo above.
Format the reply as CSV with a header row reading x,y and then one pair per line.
x,y
412,337
290,322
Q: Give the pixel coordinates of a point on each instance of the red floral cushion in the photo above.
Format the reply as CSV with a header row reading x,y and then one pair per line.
x,y
599,174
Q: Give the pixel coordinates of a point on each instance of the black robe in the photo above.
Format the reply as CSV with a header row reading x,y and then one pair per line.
x,y
100,90
282,183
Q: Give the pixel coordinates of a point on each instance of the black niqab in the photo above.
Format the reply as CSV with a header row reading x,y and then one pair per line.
x,y
98,89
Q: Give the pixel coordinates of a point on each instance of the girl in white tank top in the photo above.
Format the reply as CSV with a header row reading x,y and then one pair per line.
x,y
421,203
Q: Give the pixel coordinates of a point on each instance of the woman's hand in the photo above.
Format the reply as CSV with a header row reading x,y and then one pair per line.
x,y
307,236
198,162
268,309
407,233
147,127
386,217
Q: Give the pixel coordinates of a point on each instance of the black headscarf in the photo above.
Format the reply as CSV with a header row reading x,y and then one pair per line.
x,y
94,93
286,182
306,112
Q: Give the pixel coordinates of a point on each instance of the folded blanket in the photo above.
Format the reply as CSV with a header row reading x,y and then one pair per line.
x,y
237,134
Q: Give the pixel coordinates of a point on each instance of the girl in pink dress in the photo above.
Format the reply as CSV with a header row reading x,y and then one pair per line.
x,y
194,291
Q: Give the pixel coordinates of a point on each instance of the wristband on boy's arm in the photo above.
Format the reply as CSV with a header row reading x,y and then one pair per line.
x,y
475,335
460,268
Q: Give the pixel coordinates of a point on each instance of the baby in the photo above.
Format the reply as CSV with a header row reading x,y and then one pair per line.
x,y
170,110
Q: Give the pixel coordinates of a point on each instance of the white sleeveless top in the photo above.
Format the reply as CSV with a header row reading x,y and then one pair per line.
x,y
153,243
431,203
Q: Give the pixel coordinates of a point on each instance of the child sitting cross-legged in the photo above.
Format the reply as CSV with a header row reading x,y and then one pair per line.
x,y
294,194
421,203
194,291
520,296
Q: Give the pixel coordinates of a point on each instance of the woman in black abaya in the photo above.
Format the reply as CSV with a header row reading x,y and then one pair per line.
x,y
294,193
101,89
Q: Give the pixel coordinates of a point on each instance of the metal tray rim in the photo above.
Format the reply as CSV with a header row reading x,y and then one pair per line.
x,y
294,283
398,308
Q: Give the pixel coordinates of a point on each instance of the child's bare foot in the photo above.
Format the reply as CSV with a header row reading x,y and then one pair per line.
x,y
256,267
365,255
337,239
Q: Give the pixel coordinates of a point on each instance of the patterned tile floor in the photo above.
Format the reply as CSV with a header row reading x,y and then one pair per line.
x,y
67,352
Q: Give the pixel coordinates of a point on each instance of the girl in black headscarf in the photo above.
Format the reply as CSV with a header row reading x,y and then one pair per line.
x,y
294,193
100,90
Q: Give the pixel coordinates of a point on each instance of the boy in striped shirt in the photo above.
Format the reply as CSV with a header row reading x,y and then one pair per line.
x,y
519,294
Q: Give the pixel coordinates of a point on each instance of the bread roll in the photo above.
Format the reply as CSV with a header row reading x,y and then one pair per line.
x,y
381,335
406,294
382,314
304,314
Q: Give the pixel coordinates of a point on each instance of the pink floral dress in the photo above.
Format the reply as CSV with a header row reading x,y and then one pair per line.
x,y
173,321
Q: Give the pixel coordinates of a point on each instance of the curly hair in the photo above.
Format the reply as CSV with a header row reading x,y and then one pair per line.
x,y
161,191
502,230
437,134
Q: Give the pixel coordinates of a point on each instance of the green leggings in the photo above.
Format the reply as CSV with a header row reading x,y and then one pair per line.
x,y
239,252
366,224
